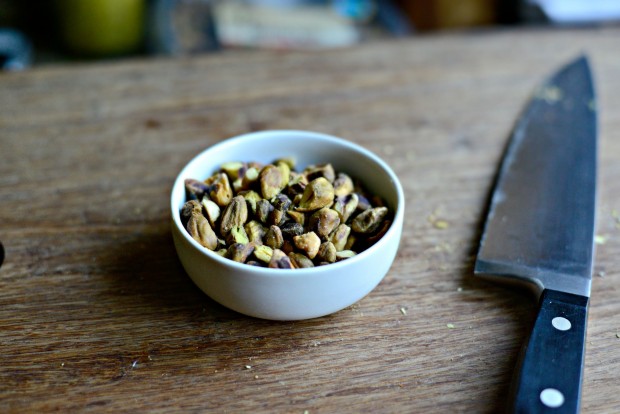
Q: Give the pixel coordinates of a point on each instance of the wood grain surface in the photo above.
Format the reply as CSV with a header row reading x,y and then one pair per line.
x,y
97,314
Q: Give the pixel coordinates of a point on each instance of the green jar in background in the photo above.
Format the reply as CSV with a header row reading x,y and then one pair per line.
x,y
101,28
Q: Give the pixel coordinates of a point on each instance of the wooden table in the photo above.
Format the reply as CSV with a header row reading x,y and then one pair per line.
x,y
97,314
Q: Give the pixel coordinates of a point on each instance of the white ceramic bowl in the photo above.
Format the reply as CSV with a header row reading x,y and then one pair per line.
x,y
290,294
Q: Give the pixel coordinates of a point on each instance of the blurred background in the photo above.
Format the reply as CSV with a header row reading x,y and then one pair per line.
x,y
37,32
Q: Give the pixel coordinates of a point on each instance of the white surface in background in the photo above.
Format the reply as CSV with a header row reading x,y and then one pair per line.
x,y
579,11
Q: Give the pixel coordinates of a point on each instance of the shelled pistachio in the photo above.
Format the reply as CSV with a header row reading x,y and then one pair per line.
x,y
273,215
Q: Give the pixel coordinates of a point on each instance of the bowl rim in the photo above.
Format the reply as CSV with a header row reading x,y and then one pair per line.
x,y
287,273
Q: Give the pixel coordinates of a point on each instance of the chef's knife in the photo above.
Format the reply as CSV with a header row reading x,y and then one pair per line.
x,y
540,231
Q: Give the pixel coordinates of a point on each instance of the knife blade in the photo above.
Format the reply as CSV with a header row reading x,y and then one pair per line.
x,y
540,232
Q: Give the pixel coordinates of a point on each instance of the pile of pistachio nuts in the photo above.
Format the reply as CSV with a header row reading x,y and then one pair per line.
x,y
274,216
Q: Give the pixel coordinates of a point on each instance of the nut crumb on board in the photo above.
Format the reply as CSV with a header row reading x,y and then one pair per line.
x,y
441,224
444,247
436,221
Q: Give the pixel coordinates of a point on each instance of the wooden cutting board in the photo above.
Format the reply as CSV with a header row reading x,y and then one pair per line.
x,y
97,314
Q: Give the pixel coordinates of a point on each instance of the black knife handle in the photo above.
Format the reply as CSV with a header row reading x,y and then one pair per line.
x,y
549,380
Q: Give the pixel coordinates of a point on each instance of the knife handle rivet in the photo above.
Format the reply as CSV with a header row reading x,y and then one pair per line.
x,y
552,398
560,323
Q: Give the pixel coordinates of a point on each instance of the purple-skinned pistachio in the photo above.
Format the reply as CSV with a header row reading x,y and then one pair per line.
x,y
300,261
274,238
327,252
235,215
195,189
240,252
369,220
279,260
346,206
319,193
323,222
320,170
339,236
343,185
199,228
221,192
